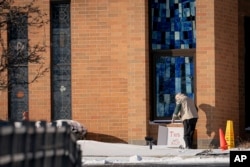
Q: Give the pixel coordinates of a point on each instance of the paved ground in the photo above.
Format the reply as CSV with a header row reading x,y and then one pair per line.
x,y
160,165
124,155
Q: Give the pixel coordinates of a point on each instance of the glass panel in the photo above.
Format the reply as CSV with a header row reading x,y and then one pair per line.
x,y
18,67
61,61
172,75
61,92
173,24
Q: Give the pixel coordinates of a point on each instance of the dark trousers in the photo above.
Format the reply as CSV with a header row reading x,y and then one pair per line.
x,y
189,129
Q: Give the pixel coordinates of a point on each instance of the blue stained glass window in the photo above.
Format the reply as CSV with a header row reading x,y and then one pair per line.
x,y
173,17
173,43
173,75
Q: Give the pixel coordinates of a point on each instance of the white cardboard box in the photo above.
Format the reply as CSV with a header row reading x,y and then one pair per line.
x,y
170,136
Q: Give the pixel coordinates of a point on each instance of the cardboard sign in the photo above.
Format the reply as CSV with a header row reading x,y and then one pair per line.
x,y
170,136
175,137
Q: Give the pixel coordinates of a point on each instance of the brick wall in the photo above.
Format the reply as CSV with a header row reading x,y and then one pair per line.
x,y
110,75
3,91
109,61
217,68
39,92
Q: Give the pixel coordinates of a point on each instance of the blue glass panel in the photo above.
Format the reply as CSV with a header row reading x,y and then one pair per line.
x,y
169,16
18,94
173,75
18,67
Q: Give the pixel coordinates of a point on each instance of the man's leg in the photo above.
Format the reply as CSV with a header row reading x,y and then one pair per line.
x,y
192,125
186,133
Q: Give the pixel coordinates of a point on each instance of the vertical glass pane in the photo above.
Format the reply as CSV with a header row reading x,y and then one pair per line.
x,y
173,24
61,61
173,75
18,66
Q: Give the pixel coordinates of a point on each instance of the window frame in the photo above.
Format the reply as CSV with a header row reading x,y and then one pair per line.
x,y
152,73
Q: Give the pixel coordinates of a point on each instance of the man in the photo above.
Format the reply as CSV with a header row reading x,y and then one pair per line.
x,y
187,111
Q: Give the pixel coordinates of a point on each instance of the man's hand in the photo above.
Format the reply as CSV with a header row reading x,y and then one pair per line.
x,y
173,118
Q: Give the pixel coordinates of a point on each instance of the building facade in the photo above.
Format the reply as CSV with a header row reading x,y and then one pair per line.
x,y
104,72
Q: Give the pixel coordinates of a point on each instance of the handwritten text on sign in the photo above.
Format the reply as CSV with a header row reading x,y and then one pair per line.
x,y
175,137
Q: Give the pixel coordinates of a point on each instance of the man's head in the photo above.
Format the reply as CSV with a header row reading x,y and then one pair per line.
x,y
179,97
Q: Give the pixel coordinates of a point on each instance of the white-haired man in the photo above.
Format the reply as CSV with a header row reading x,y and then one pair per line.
x,y
187,111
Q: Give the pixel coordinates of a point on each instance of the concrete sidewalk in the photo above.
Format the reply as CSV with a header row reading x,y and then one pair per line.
x,y
101,153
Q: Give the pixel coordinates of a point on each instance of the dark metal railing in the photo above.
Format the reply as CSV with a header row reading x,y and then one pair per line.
x,y
22,144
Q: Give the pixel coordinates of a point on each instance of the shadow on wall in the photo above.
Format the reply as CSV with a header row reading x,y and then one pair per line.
x,y
210,130
104,138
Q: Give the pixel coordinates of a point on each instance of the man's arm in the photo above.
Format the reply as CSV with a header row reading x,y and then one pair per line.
x,y
176,112
177,109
